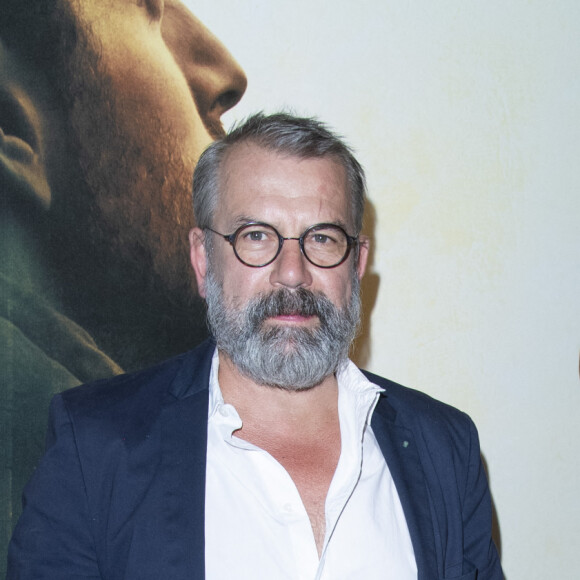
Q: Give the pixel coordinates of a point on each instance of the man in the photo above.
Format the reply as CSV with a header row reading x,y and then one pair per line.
x,y
264,453
105,106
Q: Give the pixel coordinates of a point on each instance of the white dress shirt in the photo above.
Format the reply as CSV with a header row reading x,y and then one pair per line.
x,y
256,526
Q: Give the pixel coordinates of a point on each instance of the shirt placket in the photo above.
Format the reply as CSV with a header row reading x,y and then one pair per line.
x,y
280,499
349,468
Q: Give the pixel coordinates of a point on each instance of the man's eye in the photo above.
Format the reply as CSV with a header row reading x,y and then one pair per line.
x,y
255,236
321,238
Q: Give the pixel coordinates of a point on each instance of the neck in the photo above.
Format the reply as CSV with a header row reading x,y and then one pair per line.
x,y
132,324
304,411
139,333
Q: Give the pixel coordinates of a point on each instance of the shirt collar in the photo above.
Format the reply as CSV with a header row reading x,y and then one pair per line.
x,y
215,394
357,395
356,389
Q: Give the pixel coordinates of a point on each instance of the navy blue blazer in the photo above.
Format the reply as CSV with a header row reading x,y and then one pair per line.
x,y
120,492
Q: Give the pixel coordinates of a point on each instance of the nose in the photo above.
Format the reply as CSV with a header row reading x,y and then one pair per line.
x,y
216,80
291,269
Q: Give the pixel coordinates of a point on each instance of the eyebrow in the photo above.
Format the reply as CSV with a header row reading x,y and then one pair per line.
x,y
242,220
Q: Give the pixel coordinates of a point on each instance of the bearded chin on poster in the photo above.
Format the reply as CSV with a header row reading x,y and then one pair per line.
x,y
105,107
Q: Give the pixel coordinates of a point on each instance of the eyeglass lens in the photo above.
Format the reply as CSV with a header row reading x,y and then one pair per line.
x,y
258,244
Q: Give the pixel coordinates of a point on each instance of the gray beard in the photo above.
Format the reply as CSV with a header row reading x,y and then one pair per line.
x,y
287,357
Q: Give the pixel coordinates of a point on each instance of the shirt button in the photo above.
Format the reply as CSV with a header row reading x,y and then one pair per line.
x,y
288,508
223,411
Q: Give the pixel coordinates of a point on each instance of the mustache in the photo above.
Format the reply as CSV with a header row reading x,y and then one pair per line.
x,y
286,302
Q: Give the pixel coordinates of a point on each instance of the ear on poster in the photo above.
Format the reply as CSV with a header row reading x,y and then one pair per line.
x,y
23,177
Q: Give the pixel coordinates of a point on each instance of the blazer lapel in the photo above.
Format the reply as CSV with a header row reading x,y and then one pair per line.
x,y
401,454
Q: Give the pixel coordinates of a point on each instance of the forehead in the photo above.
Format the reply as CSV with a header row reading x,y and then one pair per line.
x,y
264,185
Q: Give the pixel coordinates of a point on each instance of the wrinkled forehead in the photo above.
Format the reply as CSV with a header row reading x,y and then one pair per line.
x,y
251,175
235,160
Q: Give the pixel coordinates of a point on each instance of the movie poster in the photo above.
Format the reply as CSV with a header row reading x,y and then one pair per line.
x,y
105,108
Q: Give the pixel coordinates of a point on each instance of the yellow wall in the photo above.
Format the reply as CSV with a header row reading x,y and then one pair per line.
x,y
466,116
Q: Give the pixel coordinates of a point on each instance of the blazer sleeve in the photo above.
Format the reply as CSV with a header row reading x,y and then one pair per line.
x,y
54,537
477,516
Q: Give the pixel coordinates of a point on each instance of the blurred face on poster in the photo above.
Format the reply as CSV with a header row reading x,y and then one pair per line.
x,y
116,99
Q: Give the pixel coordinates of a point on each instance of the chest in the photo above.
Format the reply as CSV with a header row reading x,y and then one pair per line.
x,y
285,502
311,467
311,464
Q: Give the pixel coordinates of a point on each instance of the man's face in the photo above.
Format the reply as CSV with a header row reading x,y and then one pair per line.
x,y
290,194
146,84
290,300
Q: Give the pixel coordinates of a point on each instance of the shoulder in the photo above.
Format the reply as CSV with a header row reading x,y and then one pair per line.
x,y
444,437
421,413
26,368
405,398
138,396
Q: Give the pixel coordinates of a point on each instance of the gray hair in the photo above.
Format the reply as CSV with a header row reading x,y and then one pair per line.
x,y
284,133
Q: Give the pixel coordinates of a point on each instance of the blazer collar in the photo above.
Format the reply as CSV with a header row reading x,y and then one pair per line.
x,y
193,374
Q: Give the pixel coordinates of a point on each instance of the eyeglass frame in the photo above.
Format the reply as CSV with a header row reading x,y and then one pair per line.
x,y
231,238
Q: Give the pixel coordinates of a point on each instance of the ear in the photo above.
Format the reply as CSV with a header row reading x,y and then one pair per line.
x,y
198,258
22,171
363,254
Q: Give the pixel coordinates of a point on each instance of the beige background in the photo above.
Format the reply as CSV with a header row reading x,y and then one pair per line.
x,y
466,115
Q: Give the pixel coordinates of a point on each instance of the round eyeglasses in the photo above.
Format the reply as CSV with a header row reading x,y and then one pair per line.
x,y
257,244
